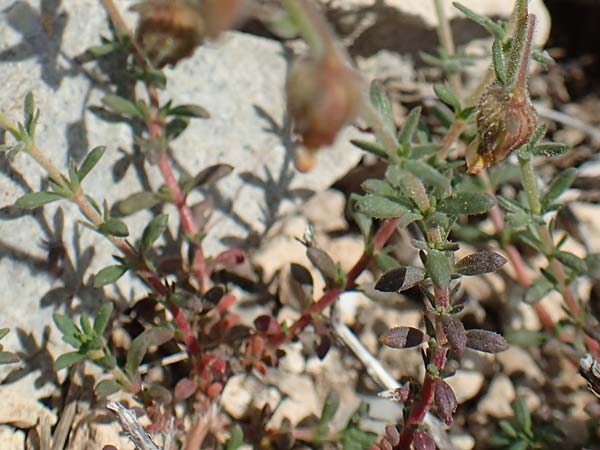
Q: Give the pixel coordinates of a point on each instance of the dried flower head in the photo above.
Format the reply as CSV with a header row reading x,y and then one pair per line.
x,y
221,15
322,96
168,30
505,117
505,121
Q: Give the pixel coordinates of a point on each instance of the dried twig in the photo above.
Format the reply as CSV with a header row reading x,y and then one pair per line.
x,y
128,420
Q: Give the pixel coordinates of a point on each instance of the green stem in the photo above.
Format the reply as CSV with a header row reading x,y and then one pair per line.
x,y
447,41
312,27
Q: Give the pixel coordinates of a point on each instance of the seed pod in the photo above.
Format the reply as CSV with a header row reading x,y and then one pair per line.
x,y
505,121
168,30
322,96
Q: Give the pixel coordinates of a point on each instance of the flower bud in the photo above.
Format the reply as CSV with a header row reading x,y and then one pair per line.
x,y
322,96
505,121
221,15
168,30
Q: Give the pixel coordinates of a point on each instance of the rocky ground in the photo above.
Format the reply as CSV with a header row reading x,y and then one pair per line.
x,y
264,205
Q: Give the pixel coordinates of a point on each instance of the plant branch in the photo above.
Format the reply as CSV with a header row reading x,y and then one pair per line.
x,y
447,41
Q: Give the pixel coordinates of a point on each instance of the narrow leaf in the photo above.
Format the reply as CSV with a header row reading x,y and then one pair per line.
x,y
36,199
109,275
469,203
445,94
370,147
570,260
498,61
402,337
550,149
323,262
8,358
400,279
407,132
455,333
445,401
90,162
4,332
196,111
68,359
102,318
490,26
383,208
137,202
154,230
486,341
381,102
439,268
480,263
236,438
114,227
107,387
559,185
330,408
139,347
121,105
67,327
538,290
428,174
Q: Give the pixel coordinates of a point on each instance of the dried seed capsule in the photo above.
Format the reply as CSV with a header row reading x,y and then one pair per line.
x,y
322,96
505,121
168,30
221,15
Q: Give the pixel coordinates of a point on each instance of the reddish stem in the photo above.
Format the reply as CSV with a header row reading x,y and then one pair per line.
x,y
384,233
420,409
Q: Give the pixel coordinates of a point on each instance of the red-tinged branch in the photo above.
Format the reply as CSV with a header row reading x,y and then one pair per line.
x,y
382,236
419,410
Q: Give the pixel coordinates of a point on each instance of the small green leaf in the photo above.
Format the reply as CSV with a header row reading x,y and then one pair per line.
x,y
550,149
382,104
521,444
538,290
490,26
98,51
29,110
439,268
379,187
90,161
498,61
469,203
139,347
384,208
154,230
68,359
102,318
86,326
370,147
522,414
558,186
137,202
511,205
114,227
4,332
109,275
332,403
570,260
428,174
176,126
236,438
445,94
36,199
407,132
107,387
422,151
507,428
196,111
70,332
8,358
121,105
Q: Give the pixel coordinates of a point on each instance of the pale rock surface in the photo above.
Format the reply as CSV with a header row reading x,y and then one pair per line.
x,y
244,391
466,384
368,26
498,398
238,79
12,439
20,403
516,359
462,441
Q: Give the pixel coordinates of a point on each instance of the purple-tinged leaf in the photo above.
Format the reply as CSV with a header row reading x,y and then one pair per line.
x,y
402,337
400,279
445,401
486,341
455,332
422,441
480,263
